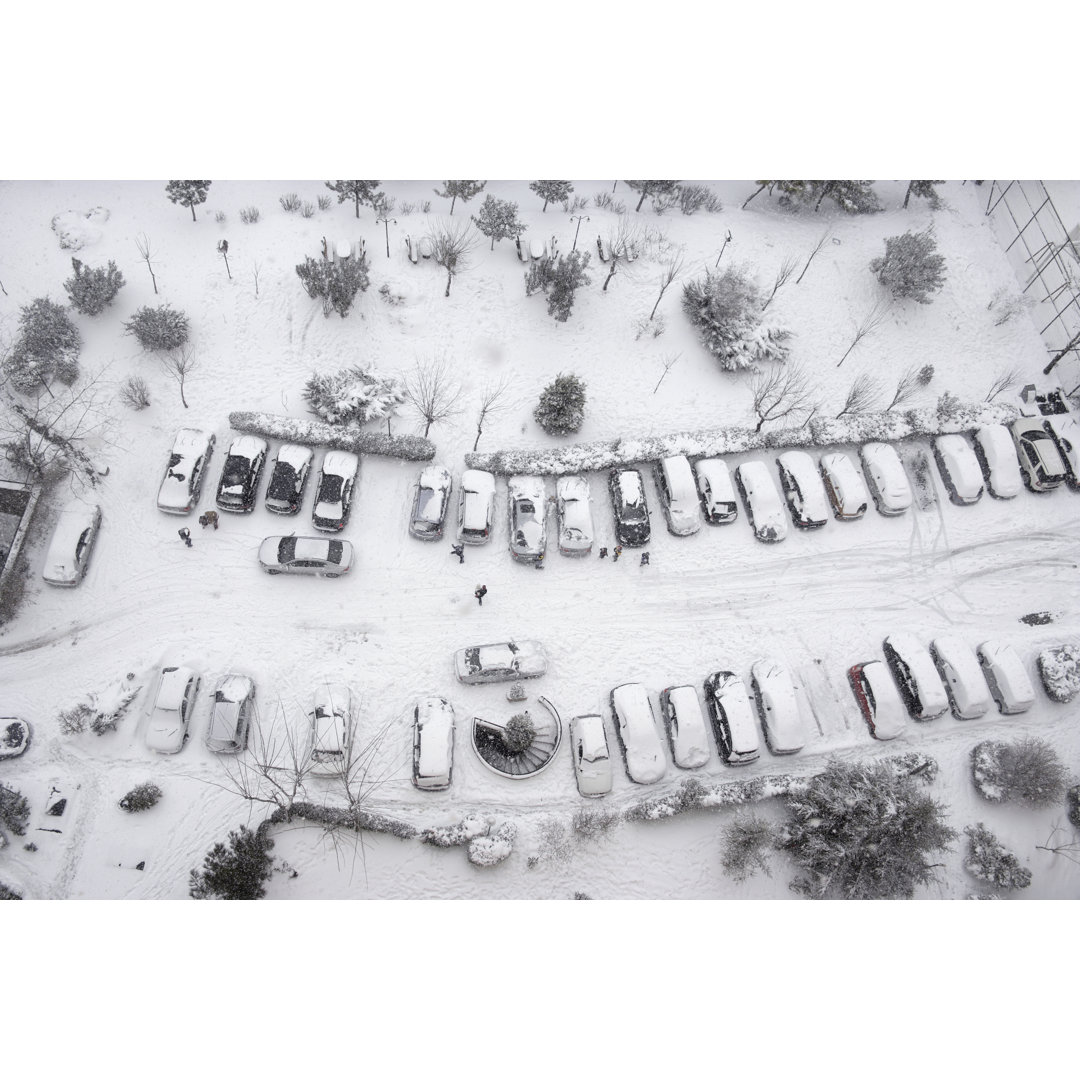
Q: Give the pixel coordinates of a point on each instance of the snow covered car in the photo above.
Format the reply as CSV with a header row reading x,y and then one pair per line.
x,y
331,730
333,498
685,726
878,699
182,483
503,661
239,483
15,736
886,477
430,503
1066,436
962,676
589,749
916,677
996,454
678,495
72,542
1006,677
803,489
476,507
732,718
1041,462
170,715
433,744
763,507
629,507
527,508
305,555
573,505
636,728
777,707
959,468
845,487
230,715
285,492
716,491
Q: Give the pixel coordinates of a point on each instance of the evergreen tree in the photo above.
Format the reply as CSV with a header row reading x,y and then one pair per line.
x,y
559,279
335,283
235,872
552,190
158,329
911,266
14,810
852,196
923,189
353,395
46,348
652,187
460,189
190,193
562,406
498,219
360,191
989,860
92,290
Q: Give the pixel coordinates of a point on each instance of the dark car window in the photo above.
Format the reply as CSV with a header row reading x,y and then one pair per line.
x,y
286,549
284,482
330,488
334,551
236,471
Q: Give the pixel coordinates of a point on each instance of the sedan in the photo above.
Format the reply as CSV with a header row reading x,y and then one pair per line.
x,y
331,731
182,483
170,715
845,487
962,676
589,749
996,453
876,694
528,518
230,716
732,718
629,507
959,468
1009,683
636,728
916,677
285,492
717,494
433,744
763,507
72,542
803,489
429,503
305,555
239,483
1041,461
504,661
886,477
685,725
777,707
573,505
334,495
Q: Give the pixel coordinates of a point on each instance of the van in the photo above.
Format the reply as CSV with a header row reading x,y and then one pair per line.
x,y
732,718
678,495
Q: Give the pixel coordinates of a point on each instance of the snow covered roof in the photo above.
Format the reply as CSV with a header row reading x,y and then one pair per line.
x,y
999,452
75,518
962,465
645,762
1008,673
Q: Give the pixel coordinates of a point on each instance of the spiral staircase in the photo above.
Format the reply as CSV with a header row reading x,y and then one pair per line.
x,y
487,738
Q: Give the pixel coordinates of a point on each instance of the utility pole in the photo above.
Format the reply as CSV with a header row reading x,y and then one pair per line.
x,y
721,255
580,219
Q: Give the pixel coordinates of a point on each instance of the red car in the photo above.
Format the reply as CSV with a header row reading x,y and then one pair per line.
x,y
878,699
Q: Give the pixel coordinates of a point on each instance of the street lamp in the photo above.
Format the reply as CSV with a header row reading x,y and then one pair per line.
x,y
387,222
580,219
721,255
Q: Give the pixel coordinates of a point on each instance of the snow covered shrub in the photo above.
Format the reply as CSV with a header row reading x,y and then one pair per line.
x,y
189,193
552,191
493,849
911,267
694,197
594,824
744,846
925,375
559,279
518,734
646,327
135,392
463,832
290,203
562,406
324,202
861,832
576,205
307,210
14,810
1028,771
1072,803
923,189
1005,303
91,291
726,309
75,231
988,860
554,843
8,893
250,215
237,871
317,433
74,721
604,201
335,283
1060,671
46,347
392,298
353,395
220,217
158,329
140,798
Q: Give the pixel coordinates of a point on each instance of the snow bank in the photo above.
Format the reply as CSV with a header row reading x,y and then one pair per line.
x,y
317,433
492,850
1060,671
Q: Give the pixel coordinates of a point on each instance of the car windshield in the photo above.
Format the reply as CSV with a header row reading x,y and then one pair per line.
x,y
236,471
330,489
525,506
286,549
429,504
284,482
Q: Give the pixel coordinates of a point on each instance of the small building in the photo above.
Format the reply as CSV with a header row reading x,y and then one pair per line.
x,y
17,503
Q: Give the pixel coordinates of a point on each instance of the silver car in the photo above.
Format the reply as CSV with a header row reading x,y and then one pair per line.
x,y
528,518
592,761
331,731
429,503
574,507
763,506
72,542
433,744
305,555
188,460
504,661
230,715
170,715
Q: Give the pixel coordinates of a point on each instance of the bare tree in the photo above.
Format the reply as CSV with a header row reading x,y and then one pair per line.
x,y
1004,381
1069,848
825,236
783,392
874,318
256,268
492,402
787,268
1071,344
907,386
861,397
223,251
668,362
142,242
622,248
180,363
672,269
432,390
451,244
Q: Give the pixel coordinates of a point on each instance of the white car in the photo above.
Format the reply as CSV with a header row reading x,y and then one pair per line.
x,y
314,555
527,506
763,505
803,489
592,762
878,699
504,661
170,715
573,505
845,487
1043,465
959,468
188,460
887,479
996,452
288,475
433,744
476,507
230,715
1006,677
636,727
685,725
678,495
962,676
72,542
331,730
430,503
916,677
717,493
777,707
732,718
333,497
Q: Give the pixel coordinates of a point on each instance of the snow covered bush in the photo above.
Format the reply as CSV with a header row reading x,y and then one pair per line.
x,y
75,231
46,347
290,203
594,824
456,835
911,267
1007,303
694,197
493,849
552,191
562,406
135,393
190,193
92,289
14,810
335,283
1060,671
988,860
1028,771
158,329
518,734
498,220
1072,803
140,798
745,843
14,739
236,871
8,893
353,395
554,843
725,308
317,433
559,279
250,215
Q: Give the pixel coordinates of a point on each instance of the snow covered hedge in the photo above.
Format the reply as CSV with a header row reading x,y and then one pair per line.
x,y
333,817
821,431
1060,671
316,433
989,860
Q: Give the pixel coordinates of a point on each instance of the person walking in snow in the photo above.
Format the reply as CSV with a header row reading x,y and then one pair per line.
x,y
211,518
185,535
480,593
459,551
603,553
618,552
644,558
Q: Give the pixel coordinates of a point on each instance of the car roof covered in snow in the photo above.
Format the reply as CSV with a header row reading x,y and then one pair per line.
x,y
962,464
884,459
921,665
434,477
75,518
171,688
526,487
890,714
630,486
1013,682
191,441
645,760
340,463
588,730
435,719
846,478
999,450
477,481
680,478
295,455
572,488
247,446
716,472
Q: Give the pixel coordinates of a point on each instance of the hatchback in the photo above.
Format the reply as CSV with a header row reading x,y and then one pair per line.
x,y
886,477
916,677
230,715
777,707
476,507
429,503
636,728
170,715
996,453
1066,436
678,495
72,542
527,508
500,662
305,555
589,749
239,483
333,497
845,487
959,468
331,730
716,491
433,744
962,676
629,507
1006,677
188,460
803,489
573,505
685,725
762,501
1041,462
288,475
732,718
878,699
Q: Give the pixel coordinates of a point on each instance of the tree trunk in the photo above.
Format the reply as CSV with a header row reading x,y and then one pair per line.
x,y
543,209
479,432
653,312
845,356
644,192
452,202
449,278
492,241
192,211
754,196
356,199
1053,363
760,424
611,274
824,192
907,196
182,398
427,426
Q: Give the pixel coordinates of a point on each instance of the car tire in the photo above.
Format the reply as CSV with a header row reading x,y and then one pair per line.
x,y
273,571
331,575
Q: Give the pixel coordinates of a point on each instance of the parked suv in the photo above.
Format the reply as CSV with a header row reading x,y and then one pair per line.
x,y
230,715
589,748
716,490
803,489
170,715
1006,677
72,542
188,460
1041,461
528,518
239,483
574,506
685,726
732,718
678,495
959,468
288,475
777,707
476,507
636,727
433,744
429,503
962,676
629,507
886,477
916,676
996,453
845,487
876,694
763,506
333,498
331,730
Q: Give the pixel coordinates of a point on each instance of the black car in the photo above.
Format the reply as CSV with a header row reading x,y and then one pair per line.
x,y
285,492
629,507
334,495
240,474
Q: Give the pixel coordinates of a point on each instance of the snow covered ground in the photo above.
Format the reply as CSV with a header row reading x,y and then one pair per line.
x,y
718,599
